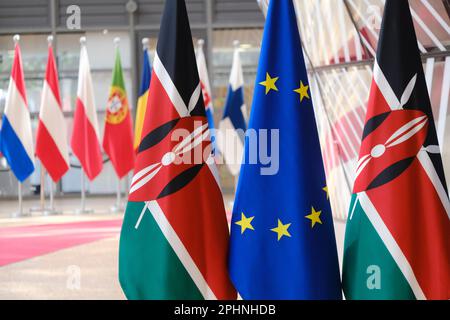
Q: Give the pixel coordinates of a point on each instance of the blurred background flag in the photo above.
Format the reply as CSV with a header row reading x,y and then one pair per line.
x,y
143,94
233,124
206,90
398,227
282,235
16,140
51,136
85,141
118,133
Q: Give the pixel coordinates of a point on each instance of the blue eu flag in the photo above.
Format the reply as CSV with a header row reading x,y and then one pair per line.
x,y
282,236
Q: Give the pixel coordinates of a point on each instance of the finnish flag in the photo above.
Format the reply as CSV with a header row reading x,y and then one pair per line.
x,y
233,125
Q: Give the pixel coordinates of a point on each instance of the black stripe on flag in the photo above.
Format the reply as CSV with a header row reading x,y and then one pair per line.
x,y
399,58
176,52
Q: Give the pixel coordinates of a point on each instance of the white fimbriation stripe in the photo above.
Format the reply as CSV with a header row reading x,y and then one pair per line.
x,y
85,91
213,168
52,117
194,98
385,88
180,250
428,166
169,87
429,71
18,115
391,244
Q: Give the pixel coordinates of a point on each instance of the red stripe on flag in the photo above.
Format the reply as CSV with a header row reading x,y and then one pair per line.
x,y
159,106
419,224
377,104
17,73
118,144
51,75
202,228
85,143
47,151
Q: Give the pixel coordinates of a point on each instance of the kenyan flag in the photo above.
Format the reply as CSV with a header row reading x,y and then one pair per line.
x,y
397,239
174,238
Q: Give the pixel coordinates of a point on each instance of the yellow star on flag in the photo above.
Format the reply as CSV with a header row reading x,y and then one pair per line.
x,y
269,83
302,91
314,217
245,223
326,190
281,230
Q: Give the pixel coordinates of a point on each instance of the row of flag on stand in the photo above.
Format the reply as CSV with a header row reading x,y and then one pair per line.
x,y
175,243
16,143
118,140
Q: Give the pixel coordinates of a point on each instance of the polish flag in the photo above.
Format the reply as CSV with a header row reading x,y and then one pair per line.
x,y
85,136
51,139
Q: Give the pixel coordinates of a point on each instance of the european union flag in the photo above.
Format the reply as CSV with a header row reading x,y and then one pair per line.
x,y
282,236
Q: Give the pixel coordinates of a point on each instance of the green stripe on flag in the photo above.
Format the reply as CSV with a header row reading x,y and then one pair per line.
x,y
367,260
148,266
117,80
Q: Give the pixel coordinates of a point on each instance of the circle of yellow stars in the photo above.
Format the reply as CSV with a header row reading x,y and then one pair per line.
x,y
270,84
282,229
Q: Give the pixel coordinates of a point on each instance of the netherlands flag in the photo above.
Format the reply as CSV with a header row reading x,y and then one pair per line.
x,y
233,125
16,142
85,136
51,139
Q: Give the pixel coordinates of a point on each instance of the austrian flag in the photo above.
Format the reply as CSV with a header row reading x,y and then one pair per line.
x,y
174,237
51,137
398,227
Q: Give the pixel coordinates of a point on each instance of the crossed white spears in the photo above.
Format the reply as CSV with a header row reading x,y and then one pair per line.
x,y
399,136
145,175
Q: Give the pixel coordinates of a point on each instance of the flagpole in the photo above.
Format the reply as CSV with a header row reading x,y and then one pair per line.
x,y
19,213
83,196
117,208
51,205
83,209
41,209
50,210
42,189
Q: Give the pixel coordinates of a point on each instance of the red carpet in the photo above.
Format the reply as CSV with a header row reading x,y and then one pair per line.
x,y
25,242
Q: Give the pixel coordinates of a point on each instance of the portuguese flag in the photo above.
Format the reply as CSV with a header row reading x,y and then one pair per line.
x,y
118,133
174,237
397,239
